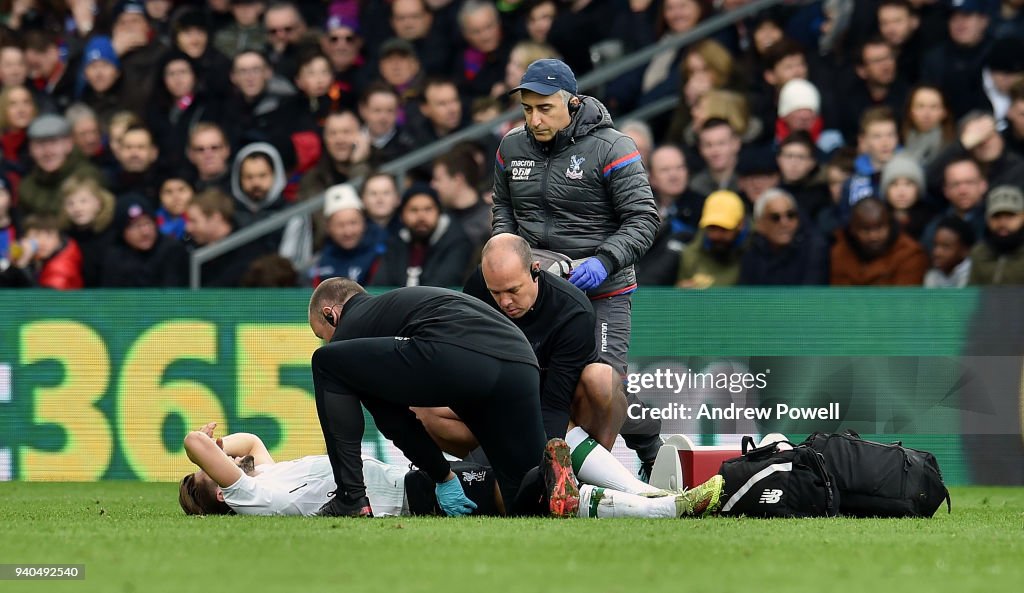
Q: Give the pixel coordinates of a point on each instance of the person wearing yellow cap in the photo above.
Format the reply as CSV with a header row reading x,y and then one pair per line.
x,y
713,257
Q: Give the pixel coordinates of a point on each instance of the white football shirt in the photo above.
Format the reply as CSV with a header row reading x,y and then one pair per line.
x,y
300,487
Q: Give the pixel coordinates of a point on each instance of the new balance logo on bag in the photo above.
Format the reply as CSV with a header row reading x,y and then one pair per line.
x,y
773,482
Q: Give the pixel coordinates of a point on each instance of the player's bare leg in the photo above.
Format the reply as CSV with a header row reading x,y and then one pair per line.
x,y
448,430
599,404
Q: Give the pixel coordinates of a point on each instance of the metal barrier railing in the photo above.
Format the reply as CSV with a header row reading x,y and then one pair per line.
x,y
418,157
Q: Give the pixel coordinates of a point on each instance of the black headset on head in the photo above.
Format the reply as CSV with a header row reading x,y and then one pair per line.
x,y
574,104
535,272
330,318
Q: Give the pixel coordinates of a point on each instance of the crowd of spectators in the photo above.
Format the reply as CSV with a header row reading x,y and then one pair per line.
x,y
876,142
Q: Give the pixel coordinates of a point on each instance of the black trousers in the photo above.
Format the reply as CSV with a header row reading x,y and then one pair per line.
x,y
498,400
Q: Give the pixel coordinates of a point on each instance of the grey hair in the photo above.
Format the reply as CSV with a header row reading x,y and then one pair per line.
x,y
565,95
640,127
79,112
471,6
771,194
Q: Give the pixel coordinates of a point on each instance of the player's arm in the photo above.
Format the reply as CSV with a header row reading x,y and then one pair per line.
x,y
634,203
204,452
241,444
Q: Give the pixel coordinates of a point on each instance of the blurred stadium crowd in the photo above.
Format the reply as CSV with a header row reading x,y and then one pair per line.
x,y
877,142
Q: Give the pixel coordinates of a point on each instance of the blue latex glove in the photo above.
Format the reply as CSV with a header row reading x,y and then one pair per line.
x,y
590,274
452,499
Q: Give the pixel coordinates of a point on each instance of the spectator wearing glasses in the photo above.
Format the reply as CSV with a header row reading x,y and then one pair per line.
x,y
286,32
784,249
257,113
210,153
343,46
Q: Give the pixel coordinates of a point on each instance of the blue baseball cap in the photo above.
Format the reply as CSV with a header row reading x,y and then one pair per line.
x,y
100,48
547,77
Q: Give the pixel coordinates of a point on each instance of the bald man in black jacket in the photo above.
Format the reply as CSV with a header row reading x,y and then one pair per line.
x,y
423,346
558,321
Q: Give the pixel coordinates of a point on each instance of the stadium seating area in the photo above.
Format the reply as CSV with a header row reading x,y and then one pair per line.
x,y
876,142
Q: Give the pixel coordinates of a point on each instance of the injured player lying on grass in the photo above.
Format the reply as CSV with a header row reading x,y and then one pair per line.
x,y
237,475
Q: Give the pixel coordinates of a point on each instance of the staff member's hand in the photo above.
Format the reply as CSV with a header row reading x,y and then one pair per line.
x,y
451,497
590,274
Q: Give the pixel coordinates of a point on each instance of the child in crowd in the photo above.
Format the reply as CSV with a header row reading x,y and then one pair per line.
x,y
319,94
878,140
175,195
838,171
86,216
44,257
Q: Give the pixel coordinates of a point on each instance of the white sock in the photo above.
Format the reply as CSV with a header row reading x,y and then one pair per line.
x,y
605,504
595,465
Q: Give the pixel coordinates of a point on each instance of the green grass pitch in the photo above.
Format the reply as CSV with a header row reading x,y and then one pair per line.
x,y
133,538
